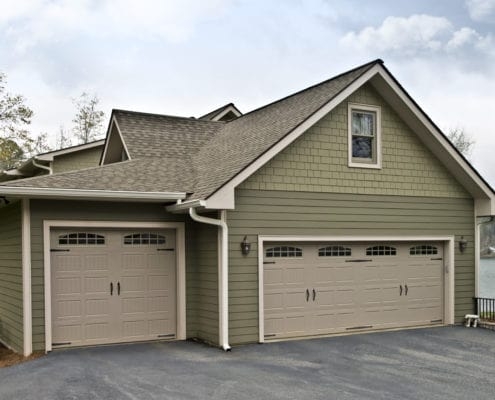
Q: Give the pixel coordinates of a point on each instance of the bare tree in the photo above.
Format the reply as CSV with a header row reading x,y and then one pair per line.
x,y
63,138
462,141
88,121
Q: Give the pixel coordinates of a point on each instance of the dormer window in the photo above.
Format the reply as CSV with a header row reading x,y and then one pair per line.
x,y
364,136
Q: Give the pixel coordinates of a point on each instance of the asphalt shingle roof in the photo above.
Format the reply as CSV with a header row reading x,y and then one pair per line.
x,y
196,156
142,175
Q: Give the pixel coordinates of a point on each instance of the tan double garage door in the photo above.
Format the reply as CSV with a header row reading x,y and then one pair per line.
x,y
111,286
324,288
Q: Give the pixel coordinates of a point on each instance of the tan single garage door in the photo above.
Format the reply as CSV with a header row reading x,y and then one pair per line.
x,y
111,286
324,288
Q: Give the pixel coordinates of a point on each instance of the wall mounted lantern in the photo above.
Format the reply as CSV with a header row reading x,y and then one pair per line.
x,y
245,246
462,244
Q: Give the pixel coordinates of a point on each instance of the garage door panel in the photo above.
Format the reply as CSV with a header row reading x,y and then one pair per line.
x,y
68,308
115,292
67,263
97,332
69,286
97,307
359,285
132,305
96,262
96,285
134,261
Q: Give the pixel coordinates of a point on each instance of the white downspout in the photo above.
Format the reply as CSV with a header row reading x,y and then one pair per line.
x,y
49,169
223,274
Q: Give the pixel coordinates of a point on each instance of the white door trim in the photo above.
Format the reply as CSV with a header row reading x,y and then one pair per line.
x,y
449,265
181,264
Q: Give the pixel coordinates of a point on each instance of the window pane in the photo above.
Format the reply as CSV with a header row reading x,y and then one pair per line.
x,y
363,123
362,147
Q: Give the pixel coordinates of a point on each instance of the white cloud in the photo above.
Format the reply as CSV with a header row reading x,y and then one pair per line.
x,y
31,22
397,34
481,10
416,35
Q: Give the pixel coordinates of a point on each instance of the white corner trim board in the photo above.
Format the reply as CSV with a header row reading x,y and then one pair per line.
x,y
449,265
26,279
181,264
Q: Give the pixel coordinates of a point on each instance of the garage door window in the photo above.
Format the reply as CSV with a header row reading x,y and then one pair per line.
x,y
334,251
283,251
423,250
81,239
143,239
381,251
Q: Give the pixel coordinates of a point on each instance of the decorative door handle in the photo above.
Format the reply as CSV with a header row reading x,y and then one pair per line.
x,y
307,294
118,288
400,290
407,289
314,295
111,288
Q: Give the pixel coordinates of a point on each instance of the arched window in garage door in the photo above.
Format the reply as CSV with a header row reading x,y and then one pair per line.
x,y
423,250
81,239
283,251
334,251
381,251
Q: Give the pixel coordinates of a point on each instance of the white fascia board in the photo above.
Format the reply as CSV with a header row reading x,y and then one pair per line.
x,y
445,144
107,142
224,197
186,205
90,194
69,150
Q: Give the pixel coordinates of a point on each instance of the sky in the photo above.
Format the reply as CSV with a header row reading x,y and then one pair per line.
x,y
188,57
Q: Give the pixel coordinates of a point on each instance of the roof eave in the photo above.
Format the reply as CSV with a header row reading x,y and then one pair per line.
x,y
82,194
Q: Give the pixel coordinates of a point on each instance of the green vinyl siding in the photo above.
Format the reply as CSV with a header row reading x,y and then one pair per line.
x,y
11,310
77,160
206,281
318,160
197,291
338,214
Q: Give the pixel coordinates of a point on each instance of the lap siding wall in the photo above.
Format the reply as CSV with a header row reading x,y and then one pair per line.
x,y
261,212
11,311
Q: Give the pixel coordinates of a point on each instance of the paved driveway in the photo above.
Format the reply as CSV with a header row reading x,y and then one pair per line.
x,y
439,363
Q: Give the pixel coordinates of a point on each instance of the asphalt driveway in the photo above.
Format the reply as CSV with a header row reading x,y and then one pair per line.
x,y
439,363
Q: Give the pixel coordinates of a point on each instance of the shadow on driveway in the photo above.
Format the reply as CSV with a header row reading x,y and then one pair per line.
x,y
434,363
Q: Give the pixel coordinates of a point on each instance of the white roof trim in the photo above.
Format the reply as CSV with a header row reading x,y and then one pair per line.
x,y
90,194
446,145
107,142
86,146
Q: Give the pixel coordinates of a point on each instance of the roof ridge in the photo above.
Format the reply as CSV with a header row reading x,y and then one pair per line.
x,y
368,64
118,110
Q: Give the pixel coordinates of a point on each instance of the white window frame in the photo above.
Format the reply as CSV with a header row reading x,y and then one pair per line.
x,y
377,162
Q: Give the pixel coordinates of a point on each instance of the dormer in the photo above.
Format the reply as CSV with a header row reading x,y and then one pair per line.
x,y
225,113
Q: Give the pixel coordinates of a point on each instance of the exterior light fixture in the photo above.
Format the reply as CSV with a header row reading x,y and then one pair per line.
x,y
462,244
245,246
